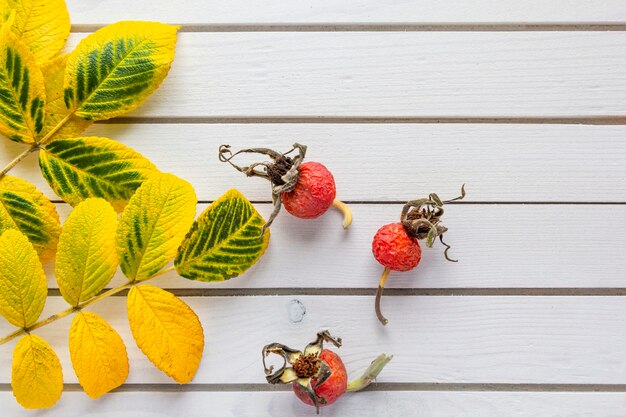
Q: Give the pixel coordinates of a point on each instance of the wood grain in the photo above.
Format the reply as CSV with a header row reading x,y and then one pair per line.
x,y
329,11
498,246
390,162
416,74
574,340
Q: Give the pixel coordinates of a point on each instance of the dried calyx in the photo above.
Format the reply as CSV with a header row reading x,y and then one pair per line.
x,y
308,371
305,366
283,172
422,219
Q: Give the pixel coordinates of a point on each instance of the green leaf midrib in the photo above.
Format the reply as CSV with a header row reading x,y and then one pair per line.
x,y
86,99
191,259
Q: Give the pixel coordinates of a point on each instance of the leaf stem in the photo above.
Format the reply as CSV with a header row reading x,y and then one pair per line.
x,y
32,148
79,307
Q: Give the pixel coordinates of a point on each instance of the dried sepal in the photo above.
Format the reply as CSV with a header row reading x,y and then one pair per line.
x,y
306,365
422,219
282,172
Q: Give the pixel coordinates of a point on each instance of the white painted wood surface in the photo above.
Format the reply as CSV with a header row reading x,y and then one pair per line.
x,y
536,302
393,74
351,11
284,404
514,339
499,163
518,255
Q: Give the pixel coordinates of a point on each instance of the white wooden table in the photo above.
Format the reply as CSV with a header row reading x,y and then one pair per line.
x,y
525,102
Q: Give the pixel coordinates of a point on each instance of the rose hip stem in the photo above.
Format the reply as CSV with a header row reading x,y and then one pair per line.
x,y
284,173
420,219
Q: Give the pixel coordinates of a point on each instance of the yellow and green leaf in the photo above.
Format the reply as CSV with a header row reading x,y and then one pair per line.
x,y
85,167
166,330
113,70
87,260
37,377
224,241
22,91
43,25
55,110
25,208
154,224
23,286
98,354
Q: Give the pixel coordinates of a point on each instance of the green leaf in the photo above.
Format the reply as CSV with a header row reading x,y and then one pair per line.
x,y
153,225
224,242
85,167
86,260
23,286
25,208
113,70
56,112
22,91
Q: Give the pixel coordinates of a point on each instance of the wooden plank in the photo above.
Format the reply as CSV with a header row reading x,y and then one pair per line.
x,y
499,246
540,340
390,162
284,404
411,74
357,11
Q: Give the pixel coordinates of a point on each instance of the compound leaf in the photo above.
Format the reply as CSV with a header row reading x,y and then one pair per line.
x,y
90,166
166,330
224,241
25,208
37,377
98,354
87,260
153,225
113,70
22,91
23,286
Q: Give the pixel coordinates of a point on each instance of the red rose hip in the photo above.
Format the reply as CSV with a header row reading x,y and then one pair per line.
x,y
306,189
330,390
317,375
314,192
396,246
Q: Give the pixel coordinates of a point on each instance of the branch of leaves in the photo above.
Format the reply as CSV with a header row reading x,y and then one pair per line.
x,y
47,101
156,227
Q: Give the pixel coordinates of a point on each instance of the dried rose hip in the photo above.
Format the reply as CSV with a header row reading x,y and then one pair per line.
x,y
306,189
318,376
396,245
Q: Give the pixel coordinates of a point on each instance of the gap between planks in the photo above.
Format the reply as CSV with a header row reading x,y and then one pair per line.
x,y
553,120
397,292
386,27
377,386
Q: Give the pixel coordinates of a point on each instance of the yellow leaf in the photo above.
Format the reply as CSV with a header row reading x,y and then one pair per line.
x,y
22,91
84,167
53,74
23,286
37,378
98,354
224,242
86,260
24,207
113,70
43,25
166,330
154,224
